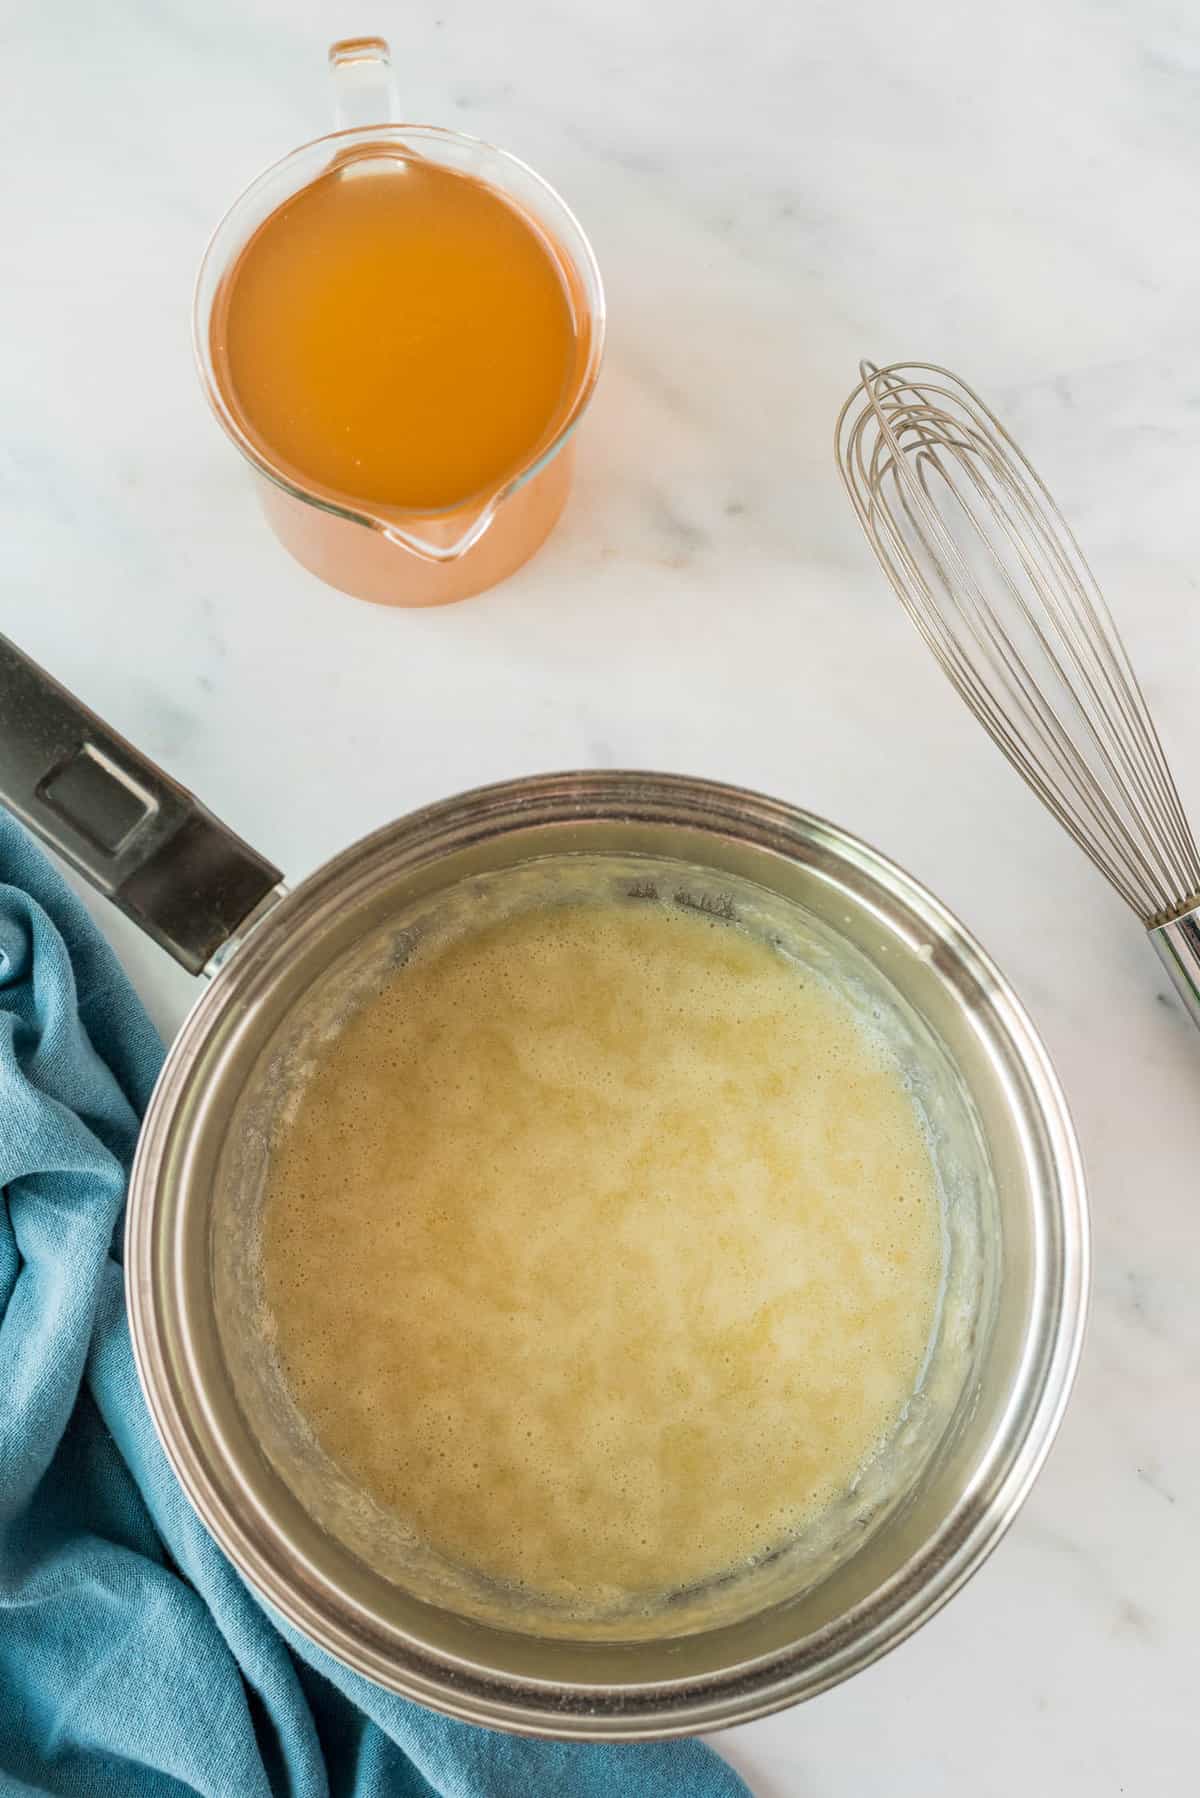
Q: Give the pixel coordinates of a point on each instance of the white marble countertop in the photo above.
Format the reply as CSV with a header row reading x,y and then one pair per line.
x,y
773,192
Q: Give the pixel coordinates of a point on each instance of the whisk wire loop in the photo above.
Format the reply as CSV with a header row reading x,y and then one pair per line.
x,y
997,585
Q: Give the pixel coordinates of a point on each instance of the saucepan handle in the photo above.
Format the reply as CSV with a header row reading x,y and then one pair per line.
x,y
135,833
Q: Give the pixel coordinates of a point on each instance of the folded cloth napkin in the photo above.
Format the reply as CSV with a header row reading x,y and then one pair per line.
x,y
133,1659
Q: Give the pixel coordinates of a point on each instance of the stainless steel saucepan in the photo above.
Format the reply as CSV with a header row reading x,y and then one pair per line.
x,y
282,966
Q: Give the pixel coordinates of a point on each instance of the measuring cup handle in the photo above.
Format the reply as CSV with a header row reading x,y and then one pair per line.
x,y
136,834
364,87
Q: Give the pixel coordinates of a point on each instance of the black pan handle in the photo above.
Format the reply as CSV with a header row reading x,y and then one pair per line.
x,y
136,834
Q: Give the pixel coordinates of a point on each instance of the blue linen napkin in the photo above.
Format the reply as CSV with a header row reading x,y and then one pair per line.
x,y
134,1662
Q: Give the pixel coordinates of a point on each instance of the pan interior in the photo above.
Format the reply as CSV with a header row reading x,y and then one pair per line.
x,y
378,1541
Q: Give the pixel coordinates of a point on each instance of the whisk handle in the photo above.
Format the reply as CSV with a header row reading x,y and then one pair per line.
x,y
1178,945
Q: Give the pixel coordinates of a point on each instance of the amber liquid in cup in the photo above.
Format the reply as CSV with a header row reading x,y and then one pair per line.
x,y
399,335
400,327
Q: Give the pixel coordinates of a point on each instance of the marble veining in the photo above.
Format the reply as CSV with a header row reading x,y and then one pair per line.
x,y
773,193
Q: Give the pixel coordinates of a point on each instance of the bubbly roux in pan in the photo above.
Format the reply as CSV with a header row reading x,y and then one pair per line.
x,y
603,1249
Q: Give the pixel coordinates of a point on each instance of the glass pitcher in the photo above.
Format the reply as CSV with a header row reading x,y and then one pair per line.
x,y
389,554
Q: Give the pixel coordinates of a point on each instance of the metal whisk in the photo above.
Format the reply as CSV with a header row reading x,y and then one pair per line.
x,y
993,579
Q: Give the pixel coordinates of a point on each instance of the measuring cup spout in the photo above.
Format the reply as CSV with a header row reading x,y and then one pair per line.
x,y
445,540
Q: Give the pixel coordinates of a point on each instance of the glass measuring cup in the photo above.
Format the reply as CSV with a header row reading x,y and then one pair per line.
x,y
391,554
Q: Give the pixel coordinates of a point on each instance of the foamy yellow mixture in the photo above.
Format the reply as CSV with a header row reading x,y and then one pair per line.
x,y
603,1250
